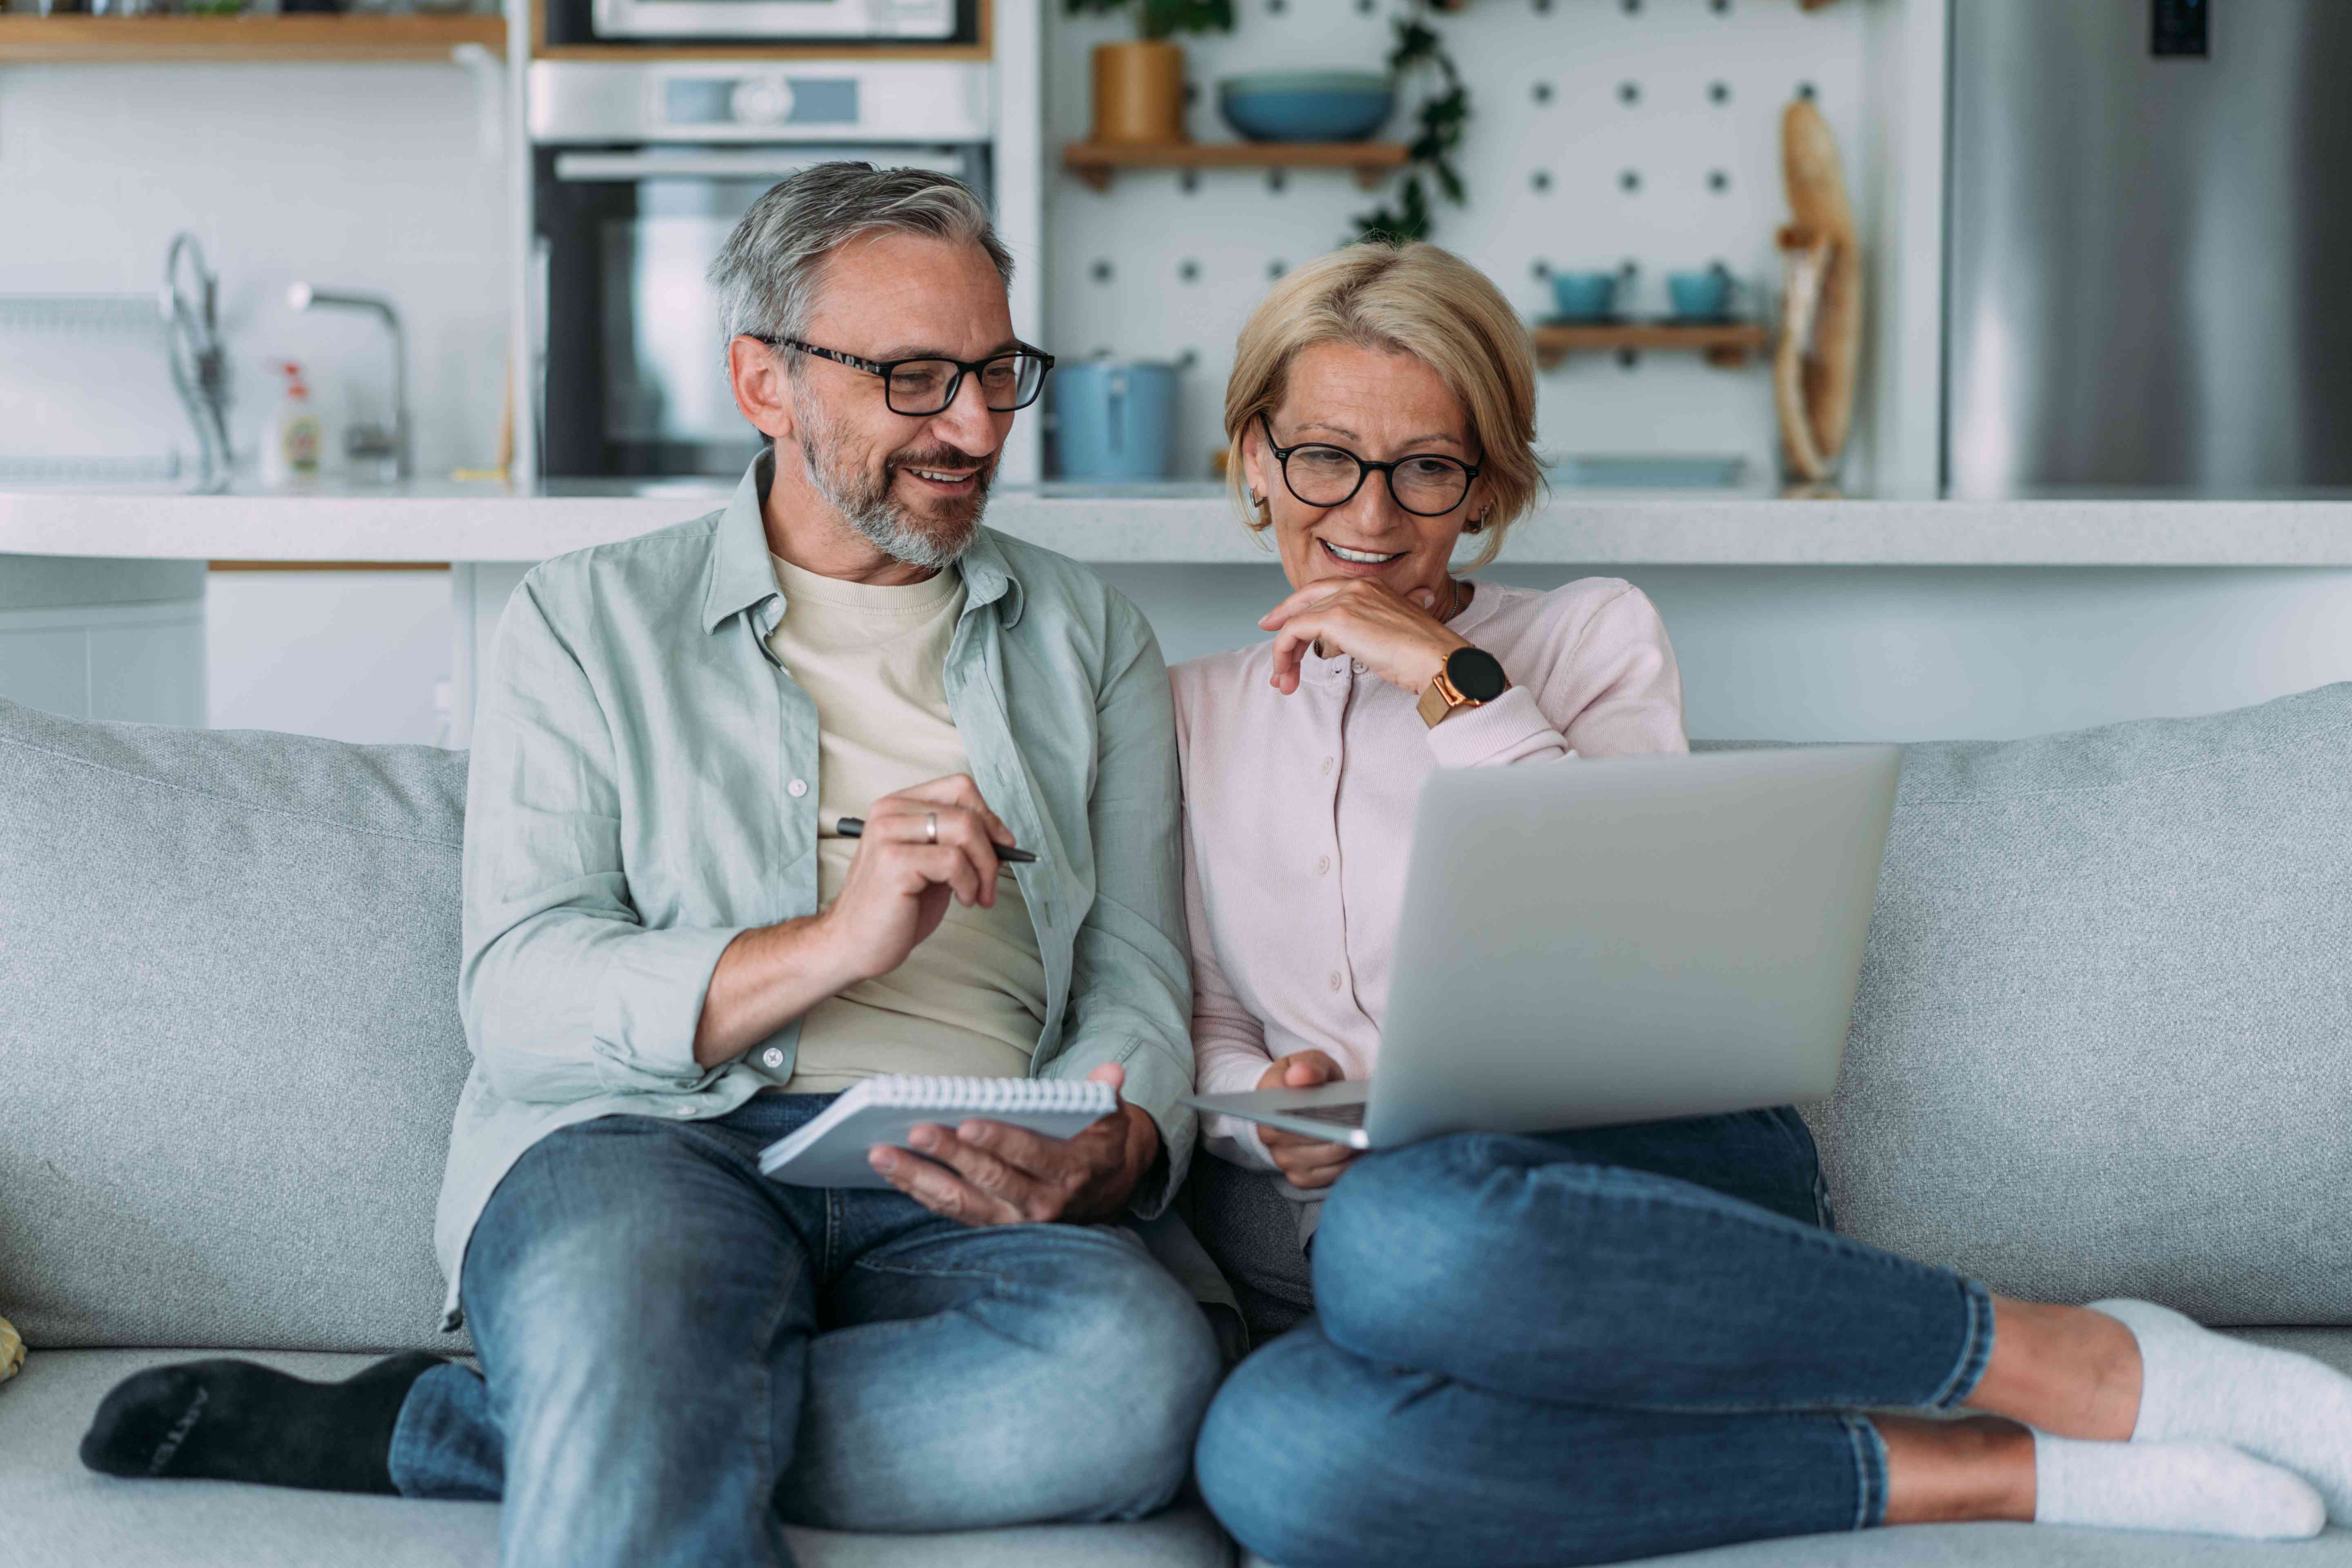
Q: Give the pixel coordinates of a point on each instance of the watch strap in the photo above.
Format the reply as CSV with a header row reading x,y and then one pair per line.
x,y
1439,699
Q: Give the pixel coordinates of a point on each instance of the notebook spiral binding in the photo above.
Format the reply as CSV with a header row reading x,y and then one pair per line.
x,y
920,1091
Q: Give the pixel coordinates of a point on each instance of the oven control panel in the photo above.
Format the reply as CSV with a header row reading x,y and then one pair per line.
x,y
701,101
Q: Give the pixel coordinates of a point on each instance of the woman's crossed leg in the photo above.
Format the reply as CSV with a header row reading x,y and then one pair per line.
x,y
1587,1346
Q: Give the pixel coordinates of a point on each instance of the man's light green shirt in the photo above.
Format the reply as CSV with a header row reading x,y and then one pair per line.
x,y
644,789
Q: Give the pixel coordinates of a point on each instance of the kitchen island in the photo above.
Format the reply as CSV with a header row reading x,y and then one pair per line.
x,y
1796,618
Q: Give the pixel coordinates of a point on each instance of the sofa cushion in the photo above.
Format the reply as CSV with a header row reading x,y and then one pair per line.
x,y
2102,1043
228,971
59,1515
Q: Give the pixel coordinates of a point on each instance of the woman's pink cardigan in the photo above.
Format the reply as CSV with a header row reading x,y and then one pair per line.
x,y
1297,810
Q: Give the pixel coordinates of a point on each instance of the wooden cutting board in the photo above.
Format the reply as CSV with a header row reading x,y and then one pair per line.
x,y
1814,372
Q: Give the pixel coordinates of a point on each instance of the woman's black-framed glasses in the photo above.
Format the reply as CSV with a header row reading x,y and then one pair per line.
x,y
1426,484
916,387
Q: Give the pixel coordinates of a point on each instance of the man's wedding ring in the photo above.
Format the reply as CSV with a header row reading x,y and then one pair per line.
x,y
931,827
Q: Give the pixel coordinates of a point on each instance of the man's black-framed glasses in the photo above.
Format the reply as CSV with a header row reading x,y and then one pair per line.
x,y
1426,484
916,387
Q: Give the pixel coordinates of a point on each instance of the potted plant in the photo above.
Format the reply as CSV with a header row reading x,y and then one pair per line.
x,y
1444,108
1139,86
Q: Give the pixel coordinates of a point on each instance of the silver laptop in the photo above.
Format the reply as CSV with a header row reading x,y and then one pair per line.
x,y
1589,943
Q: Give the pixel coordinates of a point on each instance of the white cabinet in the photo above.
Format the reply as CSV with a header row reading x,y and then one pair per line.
x,y
104,639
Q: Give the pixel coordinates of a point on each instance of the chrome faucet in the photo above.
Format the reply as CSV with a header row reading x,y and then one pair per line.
x,y
370,441
199,365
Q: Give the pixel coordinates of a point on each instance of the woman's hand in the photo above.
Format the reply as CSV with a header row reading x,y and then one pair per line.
x,y
1398,639
1306,1162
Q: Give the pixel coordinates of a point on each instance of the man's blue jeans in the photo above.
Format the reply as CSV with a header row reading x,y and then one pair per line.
x,y
1584,1347
679,1354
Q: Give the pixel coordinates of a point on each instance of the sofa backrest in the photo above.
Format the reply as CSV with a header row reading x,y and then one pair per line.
x,y
229,1042
2102,1043
2100,1046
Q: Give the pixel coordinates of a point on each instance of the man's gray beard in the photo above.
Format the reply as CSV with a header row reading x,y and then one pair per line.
x,y
868,506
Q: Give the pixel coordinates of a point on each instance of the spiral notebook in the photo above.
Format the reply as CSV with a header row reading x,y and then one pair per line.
x,y
830,1152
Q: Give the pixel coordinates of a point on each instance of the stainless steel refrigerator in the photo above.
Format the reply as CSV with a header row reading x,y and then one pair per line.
x,y
2149,267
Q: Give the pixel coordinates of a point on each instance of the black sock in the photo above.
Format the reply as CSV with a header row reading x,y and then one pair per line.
x,y
235,1421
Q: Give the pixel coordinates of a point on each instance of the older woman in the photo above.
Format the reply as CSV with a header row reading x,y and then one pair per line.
x,y
1585,1346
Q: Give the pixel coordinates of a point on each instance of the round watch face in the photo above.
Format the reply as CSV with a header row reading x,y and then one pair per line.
x,y
1475,674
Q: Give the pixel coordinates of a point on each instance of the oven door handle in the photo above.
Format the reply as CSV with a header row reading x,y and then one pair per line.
x,y
762,164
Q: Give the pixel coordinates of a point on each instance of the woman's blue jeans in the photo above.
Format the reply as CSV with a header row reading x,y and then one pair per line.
x,y
1584,1347
678,1353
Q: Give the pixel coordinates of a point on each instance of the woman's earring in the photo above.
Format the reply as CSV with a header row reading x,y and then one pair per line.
x,y
1255,499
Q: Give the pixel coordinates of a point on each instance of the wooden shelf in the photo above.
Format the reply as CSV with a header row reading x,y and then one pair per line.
x,y
1096,162
1723,343
303,37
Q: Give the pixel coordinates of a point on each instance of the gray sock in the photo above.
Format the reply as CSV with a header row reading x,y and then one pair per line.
x,y
2198,1489
2289,1409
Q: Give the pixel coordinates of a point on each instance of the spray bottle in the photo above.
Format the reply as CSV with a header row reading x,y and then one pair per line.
x,y
289,445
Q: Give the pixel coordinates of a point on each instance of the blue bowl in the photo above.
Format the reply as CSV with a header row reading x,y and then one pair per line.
x,y
1584,296
1306,106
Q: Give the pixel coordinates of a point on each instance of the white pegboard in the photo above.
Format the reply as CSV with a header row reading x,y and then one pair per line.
x,y
1568,98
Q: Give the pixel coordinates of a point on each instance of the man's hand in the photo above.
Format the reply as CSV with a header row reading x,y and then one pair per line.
x,y
896,894
1306,1162
989,1172
922,847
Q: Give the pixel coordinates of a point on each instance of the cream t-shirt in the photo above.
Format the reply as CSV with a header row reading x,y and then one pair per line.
x,y
970,998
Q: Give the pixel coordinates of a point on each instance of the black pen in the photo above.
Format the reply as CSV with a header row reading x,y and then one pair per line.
x,y
854,827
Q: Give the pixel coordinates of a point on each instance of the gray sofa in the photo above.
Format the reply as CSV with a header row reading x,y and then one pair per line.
x,y
2101,1048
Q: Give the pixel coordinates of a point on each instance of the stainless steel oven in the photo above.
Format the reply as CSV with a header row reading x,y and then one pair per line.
x,y
640,171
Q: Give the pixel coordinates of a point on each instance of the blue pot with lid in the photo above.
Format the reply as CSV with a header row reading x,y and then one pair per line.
x,y
1114,419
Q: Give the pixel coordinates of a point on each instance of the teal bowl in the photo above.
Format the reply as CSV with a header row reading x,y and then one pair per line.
x,y
1306,106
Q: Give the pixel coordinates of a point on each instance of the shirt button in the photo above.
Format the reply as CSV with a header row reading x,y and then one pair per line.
x,y
1331,980
773,1057
1326,767
688,1109
797,788
1322,864
1359,665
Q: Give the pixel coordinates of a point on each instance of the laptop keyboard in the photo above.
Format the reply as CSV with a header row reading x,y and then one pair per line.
x,y
1349,1115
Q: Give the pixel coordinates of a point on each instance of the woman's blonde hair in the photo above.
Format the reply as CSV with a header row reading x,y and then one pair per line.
x,y
1412,298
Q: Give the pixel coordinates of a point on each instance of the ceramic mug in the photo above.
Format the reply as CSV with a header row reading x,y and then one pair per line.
x,y
1700,296
1584,296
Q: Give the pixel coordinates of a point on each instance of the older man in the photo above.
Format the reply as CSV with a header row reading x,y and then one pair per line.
x,y
672,958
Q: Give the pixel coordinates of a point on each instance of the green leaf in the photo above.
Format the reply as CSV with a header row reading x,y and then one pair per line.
x,y
1163,18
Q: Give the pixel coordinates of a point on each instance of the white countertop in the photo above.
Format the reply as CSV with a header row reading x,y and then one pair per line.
x,y
1195,524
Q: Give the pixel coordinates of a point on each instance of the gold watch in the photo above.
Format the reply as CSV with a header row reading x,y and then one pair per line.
x,y
1470,678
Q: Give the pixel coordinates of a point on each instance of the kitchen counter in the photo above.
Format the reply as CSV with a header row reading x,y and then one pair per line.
x,y
1194,524
1814,619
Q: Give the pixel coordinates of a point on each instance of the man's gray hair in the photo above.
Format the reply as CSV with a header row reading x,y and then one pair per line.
x,y
768,271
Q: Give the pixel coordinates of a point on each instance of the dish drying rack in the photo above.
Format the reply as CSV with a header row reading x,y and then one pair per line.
x,y
181,320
